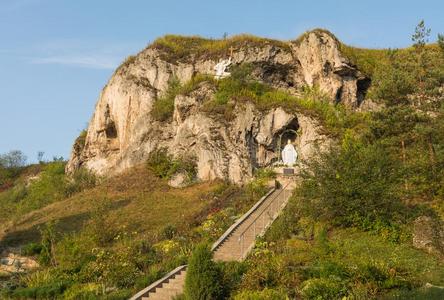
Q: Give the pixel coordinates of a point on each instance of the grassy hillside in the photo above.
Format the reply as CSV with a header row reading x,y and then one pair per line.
x,y
124,233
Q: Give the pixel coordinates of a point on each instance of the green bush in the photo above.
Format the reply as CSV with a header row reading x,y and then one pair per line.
x,y
265,294
356,185
81,179
47,188
88,291
432,293
48,240
323,289
231,276
32,249
163,107
168,232
203,276
286,224
49,291
165,166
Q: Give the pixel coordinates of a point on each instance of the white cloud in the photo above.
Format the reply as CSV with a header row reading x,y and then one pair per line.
x,y
84,61
80,53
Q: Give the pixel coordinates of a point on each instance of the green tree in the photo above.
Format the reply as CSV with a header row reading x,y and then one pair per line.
x,y
203,276
441,42
421,35
355,185
420,38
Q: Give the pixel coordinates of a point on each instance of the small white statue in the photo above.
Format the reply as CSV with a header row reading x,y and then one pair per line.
x,y
221,67
289,154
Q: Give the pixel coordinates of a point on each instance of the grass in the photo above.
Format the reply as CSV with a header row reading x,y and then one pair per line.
x,y
163,107
241,88
353,248
126,232
176,47
134,198
318,32
340,263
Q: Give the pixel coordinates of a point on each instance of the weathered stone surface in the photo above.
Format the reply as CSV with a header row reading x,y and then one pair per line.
x,y
323,64
178,180
428,235
122,132
11,263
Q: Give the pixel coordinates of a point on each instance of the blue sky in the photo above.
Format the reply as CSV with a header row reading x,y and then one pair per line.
x,y
56,55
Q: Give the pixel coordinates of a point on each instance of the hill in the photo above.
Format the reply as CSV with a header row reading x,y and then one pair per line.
x,y
172,156
116,232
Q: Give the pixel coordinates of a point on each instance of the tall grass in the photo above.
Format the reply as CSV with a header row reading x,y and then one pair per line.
x,y
178,47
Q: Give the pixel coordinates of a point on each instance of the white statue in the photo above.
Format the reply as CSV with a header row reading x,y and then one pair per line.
x,y
289,154
221,67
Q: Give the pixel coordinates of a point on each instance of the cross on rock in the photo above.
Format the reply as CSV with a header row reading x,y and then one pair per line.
x,y
231,51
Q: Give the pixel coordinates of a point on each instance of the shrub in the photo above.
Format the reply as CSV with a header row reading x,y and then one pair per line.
x,y
168,232
49,187
203,277
13,159
356,185
163,107
81,179
165,166
286,224
231,273
323,289
32,249
49,291
87,291
265,294
48,240
73,251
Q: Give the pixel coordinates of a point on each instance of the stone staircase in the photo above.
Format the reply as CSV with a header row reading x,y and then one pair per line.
x,y
233,245
241,239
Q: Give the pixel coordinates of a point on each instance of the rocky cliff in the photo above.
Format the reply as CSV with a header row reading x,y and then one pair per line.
x,y
123,132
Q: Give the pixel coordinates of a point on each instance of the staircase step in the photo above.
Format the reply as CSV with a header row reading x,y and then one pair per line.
x,y
230,249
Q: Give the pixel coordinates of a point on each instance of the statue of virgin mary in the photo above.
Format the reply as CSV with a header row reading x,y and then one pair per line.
x,y
289,154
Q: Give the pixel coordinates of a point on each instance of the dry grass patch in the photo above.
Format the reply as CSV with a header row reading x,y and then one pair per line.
x,y
135,199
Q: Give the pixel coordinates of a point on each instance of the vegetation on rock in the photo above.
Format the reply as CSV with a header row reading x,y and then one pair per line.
x,y
176,47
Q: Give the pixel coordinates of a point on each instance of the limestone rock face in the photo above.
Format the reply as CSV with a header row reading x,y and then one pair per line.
x,y
123,133
323,64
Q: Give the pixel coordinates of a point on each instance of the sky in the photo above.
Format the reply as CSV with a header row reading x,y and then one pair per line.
x,y
57,55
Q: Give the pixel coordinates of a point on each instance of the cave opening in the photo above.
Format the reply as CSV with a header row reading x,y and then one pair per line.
x,y
289,132
280,139
363,85
111,130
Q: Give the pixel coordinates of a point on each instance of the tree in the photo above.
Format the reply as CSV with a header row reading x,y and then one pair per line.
x,y
40,155
441,42
203,276
13,159
355,185
421,35
420,38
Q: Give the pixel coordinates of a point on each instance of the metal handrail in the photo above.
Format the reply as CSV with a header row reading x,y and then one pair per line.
x,y
179,269
242,235
245,216
158,283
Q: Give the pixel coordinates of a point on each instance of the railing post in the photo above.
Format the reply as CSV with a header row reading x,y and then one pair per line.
x,y
242,245
263,221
